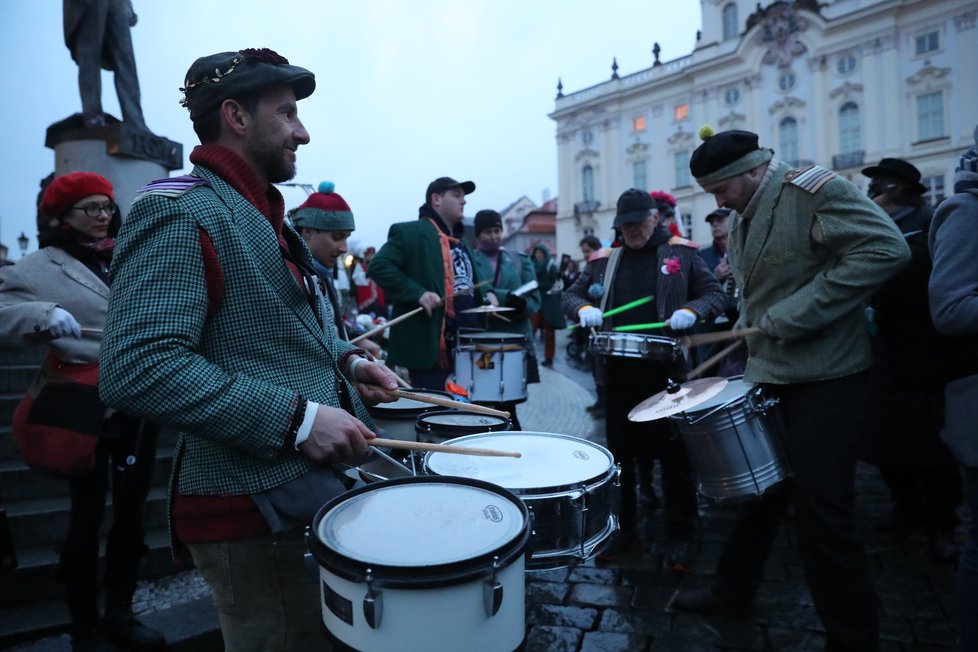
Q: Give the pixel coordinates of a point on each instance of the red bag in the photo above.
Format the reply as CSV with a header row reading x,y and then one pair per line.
x,y
58,421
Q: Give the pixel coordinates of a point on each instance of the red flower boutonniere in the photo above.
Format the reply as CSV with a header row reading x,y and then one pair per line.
x,y
671,266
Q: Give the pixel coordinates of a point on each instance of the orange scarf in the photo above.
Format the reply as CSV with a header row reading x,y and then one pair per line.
x,y
446,241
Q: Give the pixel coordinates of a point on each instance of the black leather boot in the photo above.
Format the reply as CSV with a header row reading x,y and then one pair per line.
x,y
122,628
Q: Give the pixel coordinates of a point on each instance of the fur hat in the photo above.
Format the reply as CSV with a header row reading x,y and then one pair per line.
x,y
324,211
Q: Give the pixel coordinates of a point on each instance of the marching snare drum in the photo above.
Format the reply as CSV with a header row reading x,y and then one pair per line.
x,y
635,345
423,563
491,366
569,484
733,444
397,418
437,426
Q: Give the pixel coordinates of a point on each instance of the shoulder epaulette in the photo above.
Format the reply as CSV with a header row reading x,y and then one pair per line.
x,y
810,178
172,186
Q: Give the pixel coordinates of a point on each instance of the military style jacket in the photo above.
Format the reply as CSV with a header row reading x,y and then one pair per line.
x,y
807,260
228,376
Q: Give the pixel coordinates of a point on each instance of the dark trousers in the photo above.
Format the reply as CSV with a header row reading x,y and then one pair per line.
x,y
632,443
129,459
967,578
822,420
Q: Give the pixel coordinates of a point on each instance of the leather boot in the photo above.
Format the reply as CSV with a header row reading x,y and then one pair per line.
x,y
122,628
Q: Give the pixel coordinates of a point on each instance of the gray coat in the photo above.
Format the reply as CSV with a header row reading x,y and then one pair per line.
x,y
31,289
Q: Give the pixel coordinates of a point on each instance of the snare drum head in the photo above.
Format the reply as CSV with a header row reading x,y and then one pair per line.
x,y
456,419
491,337
420,524
548,460
403,406
736,389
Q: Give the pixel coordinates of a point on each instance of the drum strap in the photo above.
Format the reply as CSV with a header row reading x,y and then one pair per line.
x,y
609,275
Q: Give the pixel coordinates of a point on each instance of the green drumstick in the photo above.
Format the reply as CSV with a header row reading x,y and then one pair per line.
x,y
642,327
628,306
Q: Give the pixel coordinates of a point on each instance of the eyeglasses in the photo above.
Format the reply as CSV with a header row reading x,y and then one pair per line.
x,y
94,210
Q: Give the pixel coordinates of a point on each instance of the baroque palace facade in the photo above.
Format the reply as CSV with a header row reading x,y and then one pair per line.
x,y
841,84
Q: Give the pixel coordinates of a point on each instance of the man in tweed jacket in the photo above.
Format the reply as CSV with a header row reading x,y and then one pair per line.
x,y
683,290
219,330
807,249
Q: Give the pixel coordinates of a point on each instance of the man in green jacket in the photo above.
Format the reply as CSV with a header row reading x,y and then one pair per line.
x,y
807,249
427,263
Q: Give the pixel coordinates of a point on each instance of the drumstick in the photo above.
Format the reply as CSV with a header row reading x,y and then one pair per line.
x,y
628,306
447,402
698,371
47,336
710,338
498,316
440,448
399,319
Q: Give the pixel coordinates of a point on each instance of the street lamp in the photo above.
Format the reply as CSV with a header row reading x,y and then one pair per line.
x,y
22,242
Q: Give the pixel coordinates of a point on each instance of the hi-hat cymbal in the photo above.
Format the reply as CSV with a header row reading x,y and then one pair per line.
x,y
689,394
488,308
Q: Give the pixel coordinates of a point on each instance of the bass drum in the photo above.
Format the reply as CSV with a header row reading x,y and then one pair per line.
x,y
424,563
439,425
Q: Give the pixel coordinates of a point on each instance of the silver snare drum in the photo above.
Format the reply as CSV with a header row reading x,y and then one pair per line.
x,y
570,486
635,345
733,443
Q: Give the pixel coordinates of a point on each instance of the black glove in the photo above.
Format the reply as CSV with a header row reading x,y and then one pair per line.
x,y
517,303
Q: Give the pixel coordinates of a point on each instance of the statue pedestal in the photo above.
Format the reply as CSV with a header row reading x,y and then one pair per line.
x,y
129,158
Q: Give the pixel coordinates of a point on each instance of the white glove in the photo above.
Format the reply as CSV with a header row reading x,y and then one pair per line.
x,y
62,324
682,319
590,317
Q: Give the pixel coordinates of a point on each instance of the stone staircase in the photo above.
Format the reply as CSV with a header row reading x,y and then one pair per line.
x,y
36,506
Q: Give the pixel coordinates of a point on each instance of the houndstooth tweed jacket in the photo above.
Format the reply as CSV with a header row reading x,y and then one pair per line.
x,y
230,380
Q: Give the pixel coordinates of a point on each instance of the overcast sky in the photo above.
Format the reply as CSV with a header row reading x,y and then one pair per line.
x,y
408,90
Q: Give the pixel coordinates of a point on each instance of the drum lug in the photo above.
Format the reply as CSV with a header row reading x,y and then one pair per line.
x,y
373,603
492,591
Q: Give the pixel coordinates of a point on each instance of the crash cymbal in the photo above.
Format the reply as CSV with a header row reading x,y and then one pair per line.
x,y
490,309
685,396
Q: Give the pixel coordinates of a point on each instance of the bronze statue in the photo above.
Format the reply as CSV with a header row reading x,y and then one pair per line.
x,y
97,33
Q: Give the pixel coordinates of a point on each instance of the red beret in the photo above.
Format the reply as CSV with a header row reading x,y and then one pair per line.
x,y
69,188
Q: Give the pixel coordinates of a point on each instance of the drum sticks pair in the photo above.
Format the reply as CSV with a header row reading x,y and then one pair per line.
x,y
628,306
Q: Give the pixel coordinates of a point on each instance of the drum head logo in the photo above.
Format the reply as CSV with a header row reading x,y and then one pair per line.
x,y
581,455
484,361
493,513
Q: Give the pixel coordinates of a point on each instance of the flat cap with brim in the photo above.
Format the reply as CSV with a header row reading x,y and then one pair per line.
x,y
897,168
441,184
217,77
633,206
726,154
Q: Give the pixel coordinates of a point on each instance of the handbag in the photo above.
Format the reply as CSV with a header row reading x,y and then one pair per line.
x,y
58,421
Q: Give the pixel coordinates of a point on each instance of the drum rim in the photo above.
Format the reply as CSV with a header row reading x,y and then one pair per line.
x,y
427,576
490,336
534,491
638,336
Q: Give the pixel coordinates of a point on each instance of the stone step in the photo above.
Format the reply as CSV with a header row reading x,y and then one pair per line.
x,y
8,447
44,520
20,482
34,580
190,626
16,378
8,403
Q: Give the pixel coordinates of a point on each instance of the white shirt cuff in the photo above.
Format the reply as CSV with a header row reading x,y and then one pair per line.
x,y
305,427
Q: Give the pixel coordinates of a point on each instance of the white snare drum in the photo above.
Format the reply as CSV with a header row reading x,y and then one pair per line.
x,y
570,486
397,419
635,345
423,563
733,444
491,366
437,426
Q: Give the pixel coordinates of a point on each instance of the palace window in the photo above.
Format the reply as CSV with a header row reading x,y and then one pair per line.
x,y
680,162
788,140
587,183
730,30
639,176
930,116
850,130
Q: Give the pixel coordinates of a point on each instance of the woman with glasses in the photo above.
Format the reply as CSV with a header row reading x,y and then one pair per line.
x,y
57,297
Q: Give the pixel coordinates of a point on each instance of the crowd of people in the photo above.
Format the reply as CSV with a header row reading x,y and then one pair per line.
x,y
211,313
